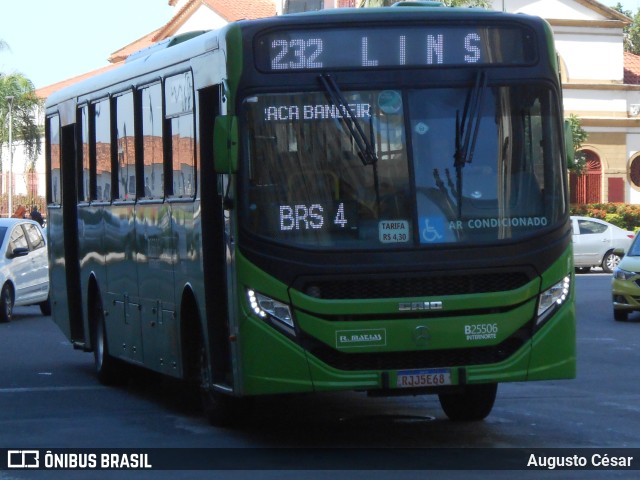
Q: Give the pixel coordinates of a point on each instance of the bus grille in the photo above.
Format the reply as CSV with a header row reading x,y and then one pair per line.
x,y
408,286
421,359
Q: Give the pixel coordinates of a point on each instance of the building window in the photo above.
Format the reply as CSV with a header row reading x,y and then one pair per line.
x,y
634,172
297,6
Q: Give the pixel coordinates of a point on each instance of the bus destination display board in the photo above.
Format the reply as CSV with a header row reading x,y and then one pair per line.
x,y
388,47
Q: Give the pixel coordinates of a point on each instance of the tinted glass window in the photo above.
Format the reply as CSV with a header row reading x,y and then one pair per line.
x,y
153,153
85,180
102,141
126,147
179,108
588,228
182,155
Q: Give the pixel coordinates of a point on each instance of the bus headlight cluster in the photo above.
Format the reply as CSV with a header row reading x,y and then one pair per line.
x,y
550,300
266,308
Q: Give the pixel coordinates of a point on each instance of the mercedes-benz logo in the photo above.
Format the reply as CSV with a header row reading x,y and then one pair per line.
x,y
421,335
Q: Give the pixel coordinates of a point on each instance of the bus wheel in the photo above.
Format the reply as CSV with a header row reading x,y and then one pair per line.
x,y
6,304
474,403
620,315
105,365
220,410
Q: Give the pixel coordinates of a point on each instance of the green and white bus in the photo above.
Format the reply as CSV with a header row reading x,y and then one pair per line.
x,y
357,199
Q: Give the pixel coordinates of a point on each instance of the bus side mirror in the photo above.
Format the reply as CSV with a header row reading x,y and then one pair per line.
x,y
225,144
568,143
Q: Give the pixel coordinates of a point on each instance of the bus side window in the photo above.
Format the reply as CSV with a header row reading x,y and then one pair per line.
x,y
152,147
101,142
180,134
126,147
86,157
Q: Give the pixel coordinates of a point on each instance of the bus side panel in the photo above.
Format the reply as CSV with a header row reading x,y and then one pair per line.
x,y
155,261
90,253
123,322
188,266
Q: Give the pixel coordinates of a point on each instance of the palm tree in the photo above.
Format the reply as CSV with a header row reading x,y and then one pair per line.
x,y
18,92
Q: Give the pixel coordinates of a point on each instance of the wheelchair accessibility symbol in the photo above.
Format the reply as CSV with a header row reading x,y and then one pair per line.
x,y
431,229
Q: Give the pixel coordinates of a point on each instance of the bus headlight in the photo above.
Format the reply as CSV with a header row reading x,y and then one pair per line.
x,y
267,308
550,300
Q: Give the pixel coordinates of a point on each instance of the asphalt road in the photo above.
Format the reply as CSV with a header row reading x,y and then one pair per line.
x,y
49,398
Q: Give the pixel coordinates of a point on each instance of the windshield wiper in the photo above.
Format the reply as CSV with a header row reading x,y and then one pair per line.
x,y
366,149
467,131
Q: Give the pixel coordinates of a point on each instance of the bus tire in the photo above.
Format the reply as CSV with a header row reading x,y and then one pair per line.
x,y
473,404
620,315
220,410
6,303
106,367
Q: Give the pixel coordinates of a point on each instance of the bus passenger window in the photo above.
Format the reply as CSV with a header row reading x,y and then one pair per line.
x,y
182,155
126,147
178,91
84,180
152,147
102,142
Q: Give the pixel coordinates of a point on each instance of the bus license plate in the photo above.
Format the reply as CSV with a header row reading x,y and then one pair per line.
x,y
433,377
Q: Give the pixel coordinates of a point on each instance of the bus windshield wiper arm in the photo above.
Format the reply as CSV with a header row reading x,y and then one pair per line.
x,y
467,131
366,149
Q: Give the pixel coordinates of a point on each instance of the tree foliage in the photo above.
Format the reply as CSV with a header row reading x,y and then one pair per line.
x,y
25,106
579,137
632,31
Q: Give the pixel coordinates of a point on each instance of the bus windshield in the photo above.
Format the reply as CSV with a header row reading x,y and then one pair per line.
x,y
309,186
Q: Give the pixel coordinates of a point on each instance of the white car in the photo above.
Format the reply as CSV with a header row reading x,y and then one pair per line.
x,y
594,242
24,267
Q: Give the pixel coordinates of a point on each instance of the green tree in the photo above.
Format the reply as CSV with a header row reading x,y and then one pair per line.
x,y
579,137
632,31
18,92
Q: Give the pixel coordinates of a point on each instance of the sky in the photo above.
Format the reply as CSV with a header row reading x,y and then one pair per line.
x,y
53,40
631,5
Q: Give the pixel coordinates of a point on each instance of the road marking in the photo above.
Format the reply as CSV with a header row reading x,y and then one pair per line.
x,y
49,389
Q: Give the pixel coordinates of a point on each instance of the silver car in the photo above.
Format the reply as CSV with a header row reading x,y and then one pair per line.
x,y
24,267
594,242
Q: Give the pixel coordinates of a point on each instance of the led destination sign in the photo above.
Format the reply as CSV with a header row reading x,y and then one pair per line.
x,y
384,47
